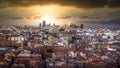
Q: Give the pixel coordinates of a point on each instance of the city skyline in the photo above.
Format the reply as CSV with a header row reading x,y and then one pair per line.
x,y
60,12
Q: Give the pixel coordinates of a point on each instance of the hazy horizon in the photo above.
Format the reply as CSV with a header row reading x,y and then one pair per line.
x,y
60,12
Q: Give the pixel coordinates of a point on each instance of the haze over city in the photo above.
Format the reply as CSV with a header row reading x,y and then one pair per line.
x,y
59,33
60,12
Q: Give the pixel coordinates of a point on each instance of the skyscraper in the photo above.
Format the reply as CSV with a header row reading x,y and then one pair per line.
x,y
40,25
81,26
44,23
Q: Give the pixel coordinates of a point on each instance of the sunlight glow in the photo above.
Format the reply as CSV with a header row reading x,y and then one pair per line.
x,y
48,19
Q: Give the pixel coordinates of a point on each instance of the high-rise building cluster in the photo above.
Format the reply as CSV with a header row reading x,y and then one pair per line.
x,y
43,24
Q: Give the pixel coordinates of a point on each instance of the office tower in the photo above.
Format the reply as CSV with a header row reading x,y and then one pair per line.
x,y
81,26
44,23
54,24
40,25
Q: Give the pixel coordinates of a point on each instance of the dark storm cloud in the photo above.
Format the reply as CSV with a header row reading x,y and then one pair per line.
x,y
37,17
80,17
76,3
65,17
17,18
89,17
5,16
113,3
29,17
20,17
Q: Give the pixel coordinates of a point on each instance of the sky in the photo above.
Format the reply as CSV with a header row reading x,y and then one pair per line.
x,y
60,12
